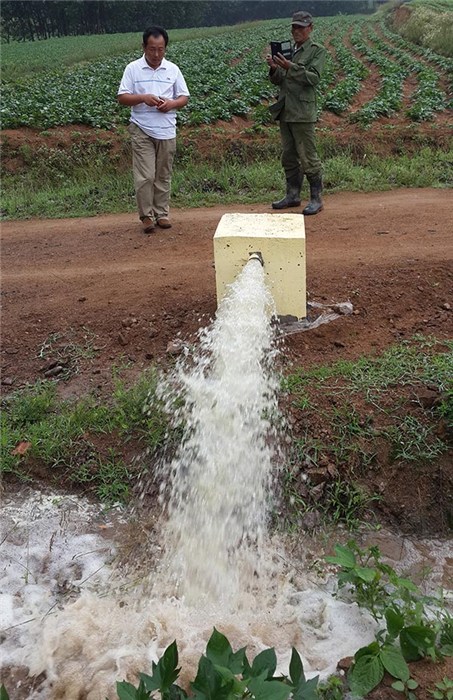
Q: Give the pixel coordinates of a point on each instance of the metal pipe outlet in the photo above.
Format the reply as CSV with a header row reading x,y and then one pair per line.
x,y
257,256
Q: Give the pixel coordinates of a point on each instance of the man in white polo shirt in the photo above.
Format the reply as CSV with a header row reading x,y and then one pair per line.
x,y
154,88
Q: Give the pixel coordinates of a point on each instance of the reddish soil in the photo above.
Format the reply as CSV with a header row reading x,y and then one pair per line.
x,y
389,253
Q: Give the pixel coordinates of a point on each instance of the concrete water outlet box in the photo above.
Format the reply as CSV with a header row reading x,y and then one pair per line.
x,y
280,238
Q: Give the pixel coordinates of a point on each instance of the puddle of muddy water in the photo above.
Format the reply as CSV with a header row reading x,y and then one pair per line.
x,y
70,612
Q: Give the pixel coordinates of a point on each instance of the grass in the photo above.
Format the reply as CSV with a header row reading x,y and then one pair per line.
x,y
65,352
357,413
439,5
399,365
83,442
414,441
105,186
430,25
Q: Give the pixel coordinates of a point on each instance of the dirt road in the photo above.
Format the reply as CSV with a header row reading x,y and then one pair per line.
x,y
100,282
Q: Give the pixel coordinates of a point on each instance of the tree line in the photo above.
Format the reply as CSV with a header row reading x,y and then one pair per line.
x,y
27,20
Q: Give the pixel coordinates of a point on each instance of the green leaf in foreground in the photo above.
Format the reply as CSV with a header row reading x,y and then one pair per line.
x,y
296,668
265,662
366,674
395,622
394,663
220,653
126,691
165,672
343,557
303,689
263,689
209,683
417,641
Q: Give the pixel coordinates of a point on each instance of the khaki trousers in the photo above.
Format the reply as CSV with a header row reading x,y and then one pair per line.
x,y
152,163
299,152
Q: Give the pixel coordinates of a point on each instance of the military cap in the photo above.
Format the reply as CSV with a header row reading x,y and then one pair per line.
x,y
302,19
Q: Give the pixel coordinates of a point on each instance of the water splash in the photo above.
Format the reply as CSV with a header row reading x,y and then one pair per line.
x,y
221,474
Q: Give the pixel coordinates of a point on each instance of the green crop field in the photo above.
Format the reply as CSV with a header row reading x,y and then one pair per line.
x,y
226,75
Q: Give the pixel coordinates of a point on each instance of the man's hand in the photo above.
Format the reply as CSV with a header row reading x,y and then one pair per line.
x,y
152,100
270,61
165,105
281,61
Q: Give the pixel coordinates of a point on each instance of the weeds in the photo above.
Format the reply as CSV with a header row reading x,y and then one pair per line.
x,y
223,674
348,412
430,26
104,184
346,503
331,689
443,690
417,626
370,416
70,438
413,441
446,407
65,352
31,405
400,364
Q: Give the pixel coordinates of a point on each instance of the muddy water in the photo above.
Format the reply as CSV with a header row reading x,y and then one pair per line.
x,y
69,611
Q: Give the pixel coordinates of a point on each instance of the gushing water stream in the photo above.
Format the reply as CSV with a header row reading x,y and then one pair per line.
x,y
219,566
221,475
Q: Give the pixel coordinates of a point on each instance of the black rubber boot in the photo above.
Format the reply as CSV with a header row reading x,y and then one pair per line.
x,y
292,197
315,204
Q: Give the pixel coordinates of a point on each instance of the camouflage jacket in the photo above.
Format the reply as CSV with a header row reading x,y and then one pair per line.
x,y
297,99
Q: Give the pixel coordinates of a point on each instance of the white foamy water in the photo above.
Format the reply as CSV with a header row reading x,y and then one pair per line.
x,y
221,475
51,551
87,627
86,624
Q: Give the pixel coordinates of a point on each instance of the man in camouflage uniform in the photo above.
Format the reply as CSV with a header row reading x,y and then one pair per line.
x,y
296,111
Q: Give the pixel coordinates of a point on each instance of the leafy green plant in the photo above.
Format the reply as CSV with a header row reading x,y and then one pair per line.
x,y
411,632
443,689
331,689
406,687
370,664
3,693
223,675
233,75
366,581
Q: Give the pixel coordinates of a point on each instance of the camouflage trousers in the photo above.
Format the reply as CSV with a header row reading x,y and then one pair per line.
x,y
299,153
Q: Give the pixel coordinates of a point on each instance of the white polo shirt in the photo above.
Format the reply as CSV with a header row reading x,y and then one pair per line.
x,y
167,82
